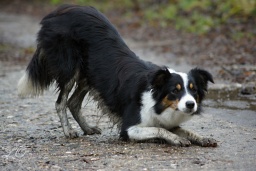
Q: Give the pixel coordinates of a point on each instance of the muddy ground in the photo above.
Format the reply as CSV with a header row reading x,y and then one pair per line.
x,y
31,137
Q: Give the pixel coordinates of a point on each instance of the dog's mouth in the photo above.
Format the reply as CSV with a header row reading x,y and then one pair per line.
x,y
187,111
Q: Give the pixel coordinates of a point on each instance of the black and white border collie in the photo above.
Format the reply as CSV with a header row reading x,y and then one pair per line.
x,y
78,47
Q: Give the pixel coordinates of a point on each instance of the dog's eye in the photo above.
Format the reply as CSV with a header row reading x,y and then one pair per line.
x,y
192,88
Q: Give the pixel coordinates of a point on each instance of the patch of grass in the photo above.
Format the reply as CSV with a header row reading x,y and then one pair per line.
x,y
239,35
195,16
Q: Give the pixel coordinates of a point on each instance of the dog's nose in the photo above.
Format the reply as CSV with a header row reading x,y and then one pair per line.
x,y
190,104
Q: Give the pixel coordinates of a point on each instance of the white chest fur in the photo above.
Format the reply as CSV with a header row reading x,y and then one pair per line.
x,y
167,119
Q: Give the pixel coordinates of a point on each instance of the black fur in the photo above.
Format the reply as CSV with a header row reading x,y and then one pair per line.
x,y
201,78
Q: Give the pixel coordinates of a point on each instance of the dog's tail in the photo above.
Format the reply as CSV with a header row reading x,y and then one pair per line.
x,y
36,78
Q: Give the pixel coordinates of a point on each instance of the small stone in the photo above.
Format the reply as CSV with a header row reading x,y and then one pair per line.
x,y
248,89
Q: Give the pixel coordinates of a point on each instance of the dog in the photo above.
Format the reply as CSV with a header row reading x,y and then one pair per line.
x,y
78,47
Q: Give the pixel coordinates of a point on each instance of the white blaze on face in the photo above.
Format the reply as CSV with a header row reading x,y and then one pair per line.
x,y
187,97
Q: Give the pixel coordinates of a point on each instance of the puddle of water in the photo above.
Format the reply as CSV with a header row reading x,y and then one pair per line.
x,y
230,100
231,106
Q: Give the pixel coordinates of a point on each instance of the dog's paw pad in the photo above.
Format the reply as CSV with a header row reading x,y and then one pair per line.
x,y
182,142
208,142
72,134
92,130
96,130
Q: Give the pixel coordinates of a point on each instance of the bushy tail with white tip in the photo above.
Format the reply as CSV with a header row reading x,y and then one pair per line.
x,y
36,78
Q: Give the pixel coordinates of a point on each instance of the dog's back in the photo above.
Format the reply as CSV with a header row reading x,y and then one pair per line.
x,y
67,37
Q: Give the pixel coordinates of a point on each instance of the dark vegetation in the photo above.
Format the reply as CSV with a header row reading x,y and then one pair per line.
x,y
195,16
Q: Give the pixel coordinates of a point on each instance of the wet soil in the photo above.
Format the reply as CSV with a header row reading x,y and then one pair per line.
x,y
31,137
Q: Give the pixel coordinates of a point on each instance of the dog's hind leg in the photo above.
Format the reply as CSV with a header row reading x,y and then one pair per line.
x,y
61,107
75,103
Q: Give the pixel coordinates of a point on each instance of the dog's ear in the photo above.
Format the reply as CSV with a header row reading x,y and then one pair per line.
x,y
160,77
201,78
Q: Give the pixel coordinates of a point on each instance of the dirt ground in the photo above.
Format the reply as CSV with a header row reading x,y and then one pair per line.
x,y
31,137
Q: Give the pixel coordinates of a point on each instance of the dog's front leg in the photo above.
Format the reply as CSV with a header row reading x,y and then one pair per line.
x,y
145,133
194,138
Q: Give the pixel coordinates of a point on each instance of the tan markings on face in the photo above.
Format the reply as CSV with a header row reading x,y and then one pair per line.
x,y
169,103
178,86
191,86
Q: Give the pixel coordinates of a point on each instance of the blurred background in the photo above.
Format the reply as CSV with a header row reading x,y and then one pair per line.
x,y
194,16
205,33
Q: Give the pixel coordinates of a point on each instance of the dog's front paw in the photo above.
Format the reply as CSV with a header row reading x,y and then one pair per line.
x,y
71,134
208,142
181,142
92,130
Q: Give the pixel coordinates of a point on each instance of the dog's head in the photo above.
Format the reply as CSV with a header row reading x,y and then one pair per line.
x,y
180,91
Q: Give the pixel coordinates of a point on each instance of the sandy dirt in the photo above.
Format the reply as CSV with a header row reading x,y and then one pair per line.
x,y
31,137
